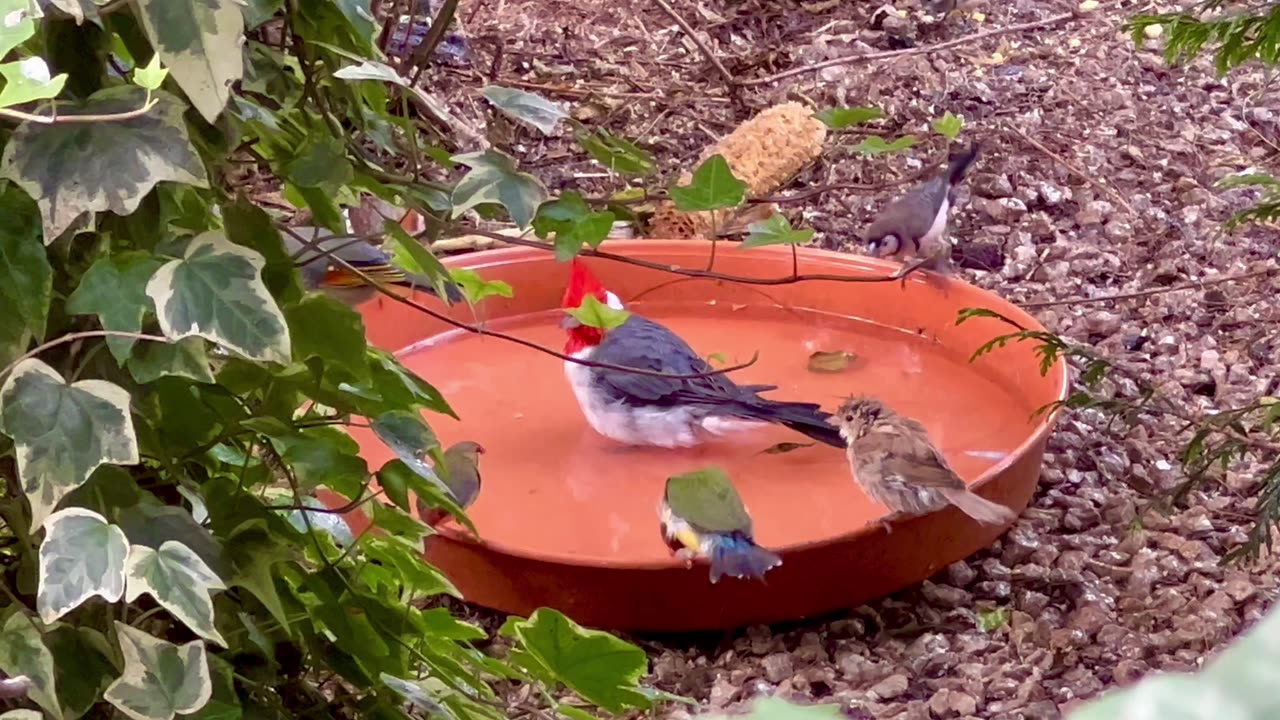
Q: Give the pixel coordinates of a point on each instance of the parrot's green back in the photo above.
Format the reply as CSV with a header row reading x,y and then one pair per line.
x,y
707,500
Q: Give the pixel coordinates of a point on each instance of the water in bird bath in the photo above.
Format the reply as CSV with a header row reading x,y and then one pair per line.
x,y
554,488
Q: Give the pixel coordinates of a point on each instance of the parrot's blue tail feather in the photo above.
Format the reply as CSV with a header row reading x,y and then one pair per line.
x,y
737,556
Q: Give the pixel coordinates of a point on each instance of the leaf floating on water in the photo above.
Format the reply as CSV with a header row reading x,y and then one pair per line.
x,y
785,447
737,306
830,361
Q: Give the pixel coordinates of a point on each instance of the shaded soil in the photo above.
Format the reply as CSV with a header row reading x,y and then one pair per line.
x,y
1099,587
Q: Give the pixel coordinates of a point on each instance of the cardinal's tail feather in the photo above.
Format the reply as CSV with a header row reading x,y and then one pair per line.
x,y
807,419
979,508
737,556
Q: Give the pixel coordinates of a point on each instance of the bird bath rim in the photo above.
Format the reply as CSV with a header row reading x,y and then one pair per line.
x,y
696,251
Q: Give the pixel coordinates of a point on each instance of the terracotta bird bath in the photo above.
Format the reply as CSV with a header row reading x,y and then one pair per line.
x,y
569,519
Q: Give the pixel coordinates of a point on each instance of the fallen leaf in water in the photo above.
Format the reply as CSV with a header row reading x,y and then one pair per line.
x,y
783,447
830,360
737,306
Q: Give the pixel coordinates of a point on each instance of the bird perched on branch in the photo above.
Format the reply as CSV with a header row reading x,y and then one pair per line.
x,y
660,411
320,272
915,224
895,463
704,518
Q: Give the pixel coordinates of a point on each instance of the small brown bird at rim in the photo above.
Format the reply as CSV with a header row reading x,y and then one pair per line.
x,y
895,463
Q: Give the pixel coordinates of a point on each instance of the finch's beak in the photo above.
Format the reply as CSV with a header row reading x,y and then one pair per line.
x,y
569,322
833,420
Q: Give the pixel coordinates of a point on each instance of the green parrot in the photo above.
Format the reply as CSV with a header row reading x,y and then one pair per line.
x,y
703,517
460,474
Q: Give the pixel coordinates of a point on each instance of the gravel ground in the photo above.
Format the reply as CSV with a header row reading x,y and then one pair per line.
x,y
1098,180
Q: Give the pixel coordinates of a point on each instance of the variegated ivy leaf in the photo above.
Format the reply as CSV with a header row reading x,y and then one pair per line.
x,y
160,679
494,178
21,715
62,433
23,652
179,580
419,694
78,168
82,555
199,42
526,107
216,292
80,10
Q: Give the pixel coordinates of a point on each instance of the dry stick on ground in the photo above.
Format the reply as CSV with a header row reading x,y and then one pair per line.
x,y
1105,189
1194,285
702,46
922,50
476,330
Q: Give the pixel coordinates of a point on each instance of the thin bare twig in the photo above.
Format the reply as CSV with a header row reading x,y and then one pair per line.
x,y
1194,285
702,46
476,330
1105,189
696,273
72,337
922,50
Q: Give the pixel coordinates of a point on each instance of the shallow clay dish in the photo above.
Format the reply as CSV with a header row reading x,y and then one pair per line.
x,y
569,519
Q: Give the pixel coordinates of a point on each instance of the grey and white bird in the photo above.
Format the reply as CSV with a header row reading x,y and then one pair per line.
x,y
915,224
320,272
651,410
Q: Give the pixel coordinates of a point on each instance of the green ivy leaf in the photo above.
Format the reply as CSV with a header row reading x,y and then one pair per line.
x,y
22,652
326,328
526,107
876,145
160,679
948,126
152,76
82,555
598,666
325,457
199,41
216,292
249,225
62,433
617,154
596,314
72,169
713,187
185,358
573,224
476,288
320,163
26,278
180,581
494,178
411,440
19,23
418,695
991,620
425,484
845,117
82,665
114,289
405,557
27,81
775,230
414,257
